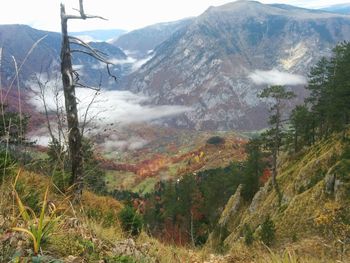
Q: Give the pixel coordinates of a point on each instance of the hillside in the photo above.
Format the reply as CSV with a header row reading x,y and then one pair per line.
x,y
147,154
310,221
86,232
224,57
312,218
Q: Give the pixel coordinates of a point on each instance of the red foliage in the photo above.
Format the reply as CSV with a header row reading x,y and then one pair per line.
x,y
265,176
12,98
174,233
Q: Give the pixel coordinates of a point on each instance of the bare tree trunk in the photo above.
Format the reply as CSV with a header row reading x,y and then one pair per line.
x,y
70,80
276,145
74,134
192,230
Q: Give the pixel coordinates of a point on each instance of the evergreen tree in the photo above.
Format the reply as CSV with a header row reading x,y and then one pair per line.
x,y
302,127
274,135
253,169
267,234
329,85
13,126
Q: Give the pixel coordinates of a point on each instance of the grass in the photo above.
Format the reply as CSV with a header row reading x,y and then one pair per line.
x,y
146,186
120,180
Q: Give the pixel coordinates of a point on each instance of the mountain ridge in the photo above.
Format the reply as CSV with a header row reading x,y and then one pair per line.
x,y
207,63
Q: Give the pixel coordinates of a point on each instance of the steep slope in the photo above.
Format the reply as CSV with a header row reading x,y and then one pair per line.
x,y
17,40
313,215
139,42
206,65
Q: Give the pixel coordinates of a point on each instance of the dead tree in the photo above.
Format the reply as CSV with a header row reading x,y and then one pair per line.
x,y
70,80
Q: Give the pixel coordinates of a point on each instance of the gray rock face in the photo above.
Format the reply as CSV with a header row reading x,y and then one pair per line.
x,y
232,207
128,247
258,197
330,183
206,64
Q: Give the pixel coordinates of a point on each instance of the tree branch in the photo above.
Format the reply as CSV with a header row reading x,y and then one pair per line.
x,y
82,13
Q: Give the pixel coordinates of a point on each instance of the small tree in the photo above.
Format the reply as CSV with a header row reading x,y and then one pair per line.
x,y
131,221
274,135
302,127
253,169
267,234
248,234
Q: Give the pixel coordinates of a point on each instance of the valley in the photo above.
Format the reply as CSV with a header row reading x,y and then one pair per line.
x,y
221,137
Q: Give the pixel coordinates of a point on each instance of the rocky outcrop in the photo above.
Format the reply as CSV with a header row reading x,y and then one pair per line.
x,y
222,229
258,198
231,207
128,247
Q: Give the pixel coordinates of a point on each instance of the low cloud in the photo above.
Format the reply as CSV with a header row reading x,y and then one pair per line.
x,y
123,107
113,143
109,107
139,63
275,77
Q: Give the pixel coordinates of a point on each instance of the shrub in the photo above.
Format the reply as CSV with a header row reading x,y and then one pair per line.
x,y
131,221
216,140
268,230
248,235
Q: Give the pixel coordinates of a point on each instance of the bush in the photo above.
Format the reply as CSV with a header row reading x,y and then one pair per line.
x,y
268,230
131,221
248,235
216,140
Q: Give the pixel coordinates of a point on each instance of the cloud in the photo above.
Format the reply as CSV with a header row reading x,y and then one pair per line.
x,y
275,77
114,143
139,63
109,106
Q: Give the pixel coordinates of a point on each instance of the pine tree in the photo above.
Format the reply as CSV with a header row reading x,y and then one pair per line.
x,y
329,86
274,135
302,127
253,169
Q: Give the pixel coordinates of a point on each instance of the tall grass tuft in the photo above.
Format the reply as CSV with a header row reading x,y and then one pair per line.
x,y
38,228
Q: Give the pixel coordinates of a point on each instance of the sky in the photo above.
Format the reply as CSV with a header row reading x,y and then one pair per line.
x,y
121,14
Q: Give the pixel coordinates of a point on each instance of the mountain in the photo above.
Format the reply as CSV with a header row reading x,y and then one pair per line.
x,y
341,9
17,40
139,42
99,35
207,63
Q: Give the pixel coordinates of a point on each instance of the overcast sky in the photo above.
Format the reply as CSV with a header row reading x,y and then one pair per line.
x,y
122,14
